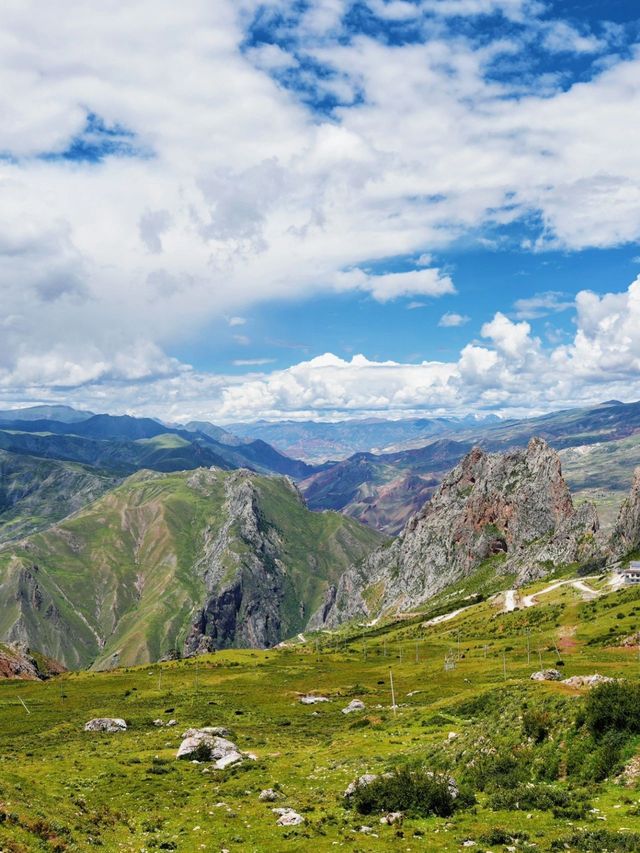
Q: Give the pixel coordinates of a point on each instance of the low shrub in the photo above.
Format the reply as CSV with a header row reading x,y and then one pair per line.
x,y
599,841
562,802
418,792
613,706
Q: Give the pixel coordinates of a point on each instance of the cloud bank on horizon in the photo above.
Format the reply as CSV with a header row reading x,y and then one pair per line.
x,y
168,169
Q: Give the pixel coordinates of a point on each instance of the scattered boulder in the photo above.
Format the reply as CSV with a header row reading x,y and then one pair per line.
x,y
313,700
222,752
354,705
158,723
172,723
586,680
269,796
227,759
392,817
631,773
105,724
453,736
633,640
360,782
219,731
288,817
546,675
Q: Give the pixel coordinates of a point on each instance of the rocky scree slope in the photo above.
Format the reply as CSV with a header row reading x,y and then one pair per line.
x,y
169,564
515,504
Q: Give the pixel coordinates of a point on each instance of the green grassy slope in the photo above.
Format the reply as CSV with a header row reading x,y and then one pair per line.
x,y
541,781
37,492
124,577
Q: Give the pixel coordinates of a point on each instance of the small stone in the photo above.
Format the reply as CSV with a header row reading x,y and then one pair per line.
x,y
312,700
268,795
392,818
546,675
288,817
360,782
354,705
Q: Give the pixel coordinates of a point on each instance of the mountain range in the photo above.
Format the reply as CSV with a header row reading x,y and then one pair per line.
x,y
126,540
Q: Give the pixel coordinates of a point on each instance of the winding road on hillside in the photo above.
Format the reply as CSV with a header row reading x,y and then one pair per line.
x,y
581,586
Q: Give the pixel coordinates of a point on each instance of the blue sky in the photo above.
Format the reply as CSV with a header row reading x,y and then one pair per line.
x,y
320,209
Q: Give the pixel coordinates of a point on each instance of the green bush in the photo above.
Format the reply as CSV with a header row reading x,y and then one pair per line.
x,y
497,835
536,724
599,841
503,768
418,792
614,706
202,752
560,801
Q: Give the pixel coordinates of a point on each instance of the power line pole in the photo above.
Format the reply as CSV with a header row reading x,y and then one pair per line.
x,y
393,693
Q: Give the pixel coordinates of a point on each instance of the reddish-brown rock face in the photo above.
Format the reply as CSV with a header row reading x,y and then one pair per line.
x,y
16,661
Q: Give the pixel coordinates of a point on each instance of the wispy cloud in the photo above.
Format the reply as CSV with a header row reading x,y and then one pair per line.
x,y
451,320
542,304
252,362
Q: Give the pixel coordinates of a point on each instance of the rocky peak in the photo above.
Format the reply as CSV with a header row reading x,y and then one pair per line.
x,y
626,533
515,503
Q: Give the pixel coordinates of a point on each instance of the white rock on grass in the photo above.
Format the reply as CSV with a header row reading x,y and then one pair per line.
x,y
288,817
392,817
223,752
354,705
219,731
172,723
158,723
546,675
269,795
586,680
106,724
360,782
313,700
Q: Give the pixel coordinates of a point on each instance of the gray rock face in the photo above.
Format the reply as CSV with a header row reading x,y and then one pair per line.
x,y
106,724
516,504
245,586
626,533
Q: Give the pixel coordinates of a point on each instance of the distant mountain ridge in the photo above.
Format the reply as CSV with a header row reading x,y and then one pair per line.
x,y
370,486
175,563
318,441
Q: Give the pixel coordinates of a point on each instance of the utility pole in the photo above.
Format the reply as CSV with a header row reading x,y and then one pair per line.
x,y
393,693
